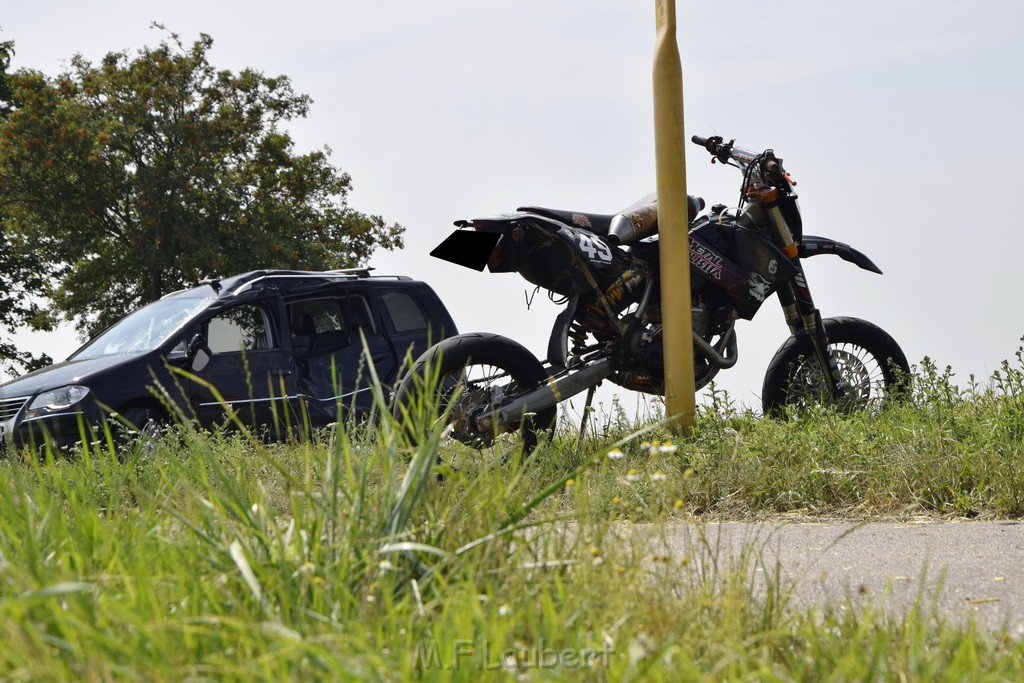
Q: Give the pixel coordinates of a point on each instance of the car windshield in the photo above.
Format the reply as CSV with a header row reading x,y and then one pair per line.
x,y
145,329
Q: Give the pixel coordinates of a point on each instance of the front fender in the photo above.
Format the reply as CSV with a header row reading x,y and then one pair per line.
x,y
814,246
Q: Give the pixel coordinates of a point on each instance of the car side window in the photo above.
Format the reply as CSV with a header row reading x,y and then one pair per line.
x,y
324,325
242,328
405,311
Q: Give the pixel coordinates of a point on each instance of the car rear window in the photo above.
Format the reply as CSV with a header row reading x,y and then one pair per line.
x,y
324,325
405,310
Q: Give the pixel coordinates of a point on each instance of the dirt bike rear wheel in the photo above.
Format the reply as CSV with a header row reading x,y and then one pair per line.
x,y
474,373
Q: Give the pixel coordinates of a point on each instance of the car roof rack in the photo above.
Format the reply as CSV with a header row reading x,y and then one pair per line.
x,y
358,272
237,284
248,281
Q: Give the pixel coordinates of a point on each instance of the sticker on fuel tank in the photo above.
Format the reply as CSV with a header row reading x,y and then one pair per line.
x,y
705,260
760,288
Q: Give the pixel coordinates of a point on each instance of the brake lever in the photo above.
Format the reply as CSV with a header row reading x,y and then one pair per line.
x,y
725,150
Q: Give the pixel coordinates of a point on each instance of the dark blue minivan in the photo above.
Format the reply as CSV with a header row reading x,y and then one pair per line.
x,y
274,347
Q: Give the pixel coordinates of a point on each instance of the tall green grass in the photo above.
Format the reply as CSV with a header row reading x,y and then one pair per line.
x,y
946,450
343,557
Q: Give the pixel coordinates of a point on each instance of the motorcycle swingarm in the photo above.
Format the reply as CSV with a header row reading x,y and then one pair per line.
x,y
552,393
814,246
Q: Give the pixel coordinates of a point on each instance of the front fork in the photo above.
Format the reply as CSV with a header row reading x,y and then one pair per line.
x,y
795,296
801,314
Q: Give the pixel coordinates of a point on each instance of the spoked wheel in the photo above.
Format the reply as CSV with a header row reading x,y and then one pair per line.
x,y
475,374
872,365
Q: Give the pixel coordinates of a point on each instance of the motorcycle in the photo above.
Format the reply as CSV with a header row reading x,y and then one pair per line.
x,y
605,268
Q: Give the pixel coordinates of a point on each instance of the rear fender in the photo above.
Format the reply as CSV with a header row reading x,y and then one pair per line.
x,y
477,243
468,248
814,246
503,221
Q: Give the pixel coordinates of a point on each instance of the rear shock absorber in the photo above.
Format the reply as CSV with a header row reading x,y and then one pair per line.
x,y
623,285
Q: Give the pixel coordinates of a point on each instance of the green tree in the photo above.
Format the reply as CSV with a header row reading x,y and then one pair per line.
x,y
135,177
20,273
6,52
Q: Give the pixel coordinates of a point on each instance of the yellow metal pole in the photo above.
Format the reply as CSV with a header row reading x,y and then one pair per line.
x,y
673,221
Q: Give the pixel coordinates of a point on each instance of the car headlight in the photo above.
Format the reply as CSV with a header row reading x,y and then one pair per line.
x,y
56,400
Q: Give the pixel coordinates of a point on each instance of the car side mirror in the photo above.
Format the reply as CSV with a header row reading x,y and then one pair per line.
x,y
198,353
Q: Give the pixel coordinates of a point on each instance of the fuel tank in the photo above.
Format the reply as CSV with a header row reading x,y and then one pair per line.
x,y
738,260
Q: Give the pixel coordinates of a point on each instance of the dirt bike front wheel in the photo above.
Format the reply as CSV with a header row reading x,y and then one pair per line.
x,y
872,365
471,375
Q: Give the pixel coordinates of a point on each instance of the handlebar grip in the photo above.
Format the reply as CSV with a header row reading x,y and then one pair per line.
x,y
712,144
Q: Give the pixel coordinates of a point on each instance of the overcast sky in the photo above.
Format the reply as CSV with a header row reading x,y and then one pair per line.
x,y
901,120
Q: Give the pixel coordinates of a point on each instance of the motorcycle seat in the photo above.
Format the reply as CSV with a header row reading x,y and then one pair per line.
x,y
596,223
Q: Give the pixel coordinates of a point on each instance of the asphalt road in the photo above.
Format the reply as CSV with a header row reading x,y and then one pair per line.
x,y
969,569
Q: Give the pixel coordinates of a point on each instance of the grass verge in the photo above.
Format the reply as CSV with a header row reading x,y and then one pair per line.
x,y
221,558
342,557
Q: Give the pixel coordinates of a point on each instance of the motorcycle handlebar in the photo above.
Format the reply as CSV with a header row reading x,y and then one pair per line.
x,y
724,151
703,142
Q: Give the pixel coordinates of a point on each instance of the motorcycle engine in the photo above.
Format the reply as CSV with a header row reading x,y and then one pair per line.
x,y
648,351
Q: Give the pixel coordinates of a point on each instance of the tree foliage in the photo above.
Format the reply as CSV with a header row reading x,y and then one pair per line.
x,y
6,51
139,175
20,272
